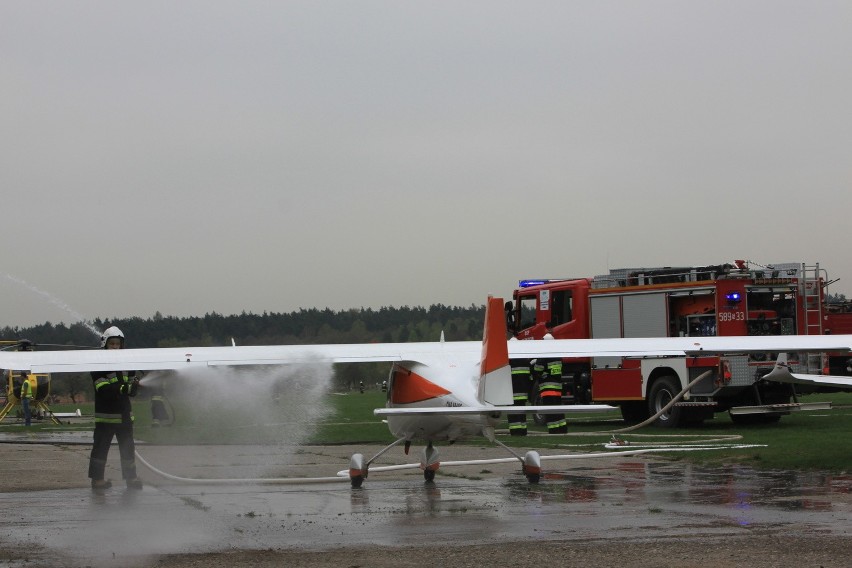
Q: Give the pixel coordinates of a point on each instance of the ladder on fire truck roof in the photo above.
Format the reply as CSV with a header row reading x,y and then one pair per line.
x,y
812,295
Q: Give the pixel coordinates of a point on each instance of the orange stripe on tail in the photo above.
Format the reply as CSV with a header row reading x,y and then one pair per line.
x,y
495,378
495,350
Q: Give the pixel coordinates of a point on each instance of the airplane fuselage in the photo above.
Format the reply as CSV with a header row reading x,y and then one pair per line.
x,y
442,383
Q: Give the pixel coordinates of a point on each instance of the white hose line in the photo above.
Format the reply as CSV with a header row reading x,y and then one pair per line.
x,y
261,480
653,440
649,450
343,475
563,457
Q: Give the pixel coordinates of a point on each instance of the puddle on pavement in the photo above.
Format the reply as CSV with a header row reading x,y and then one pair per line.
x,y
664,484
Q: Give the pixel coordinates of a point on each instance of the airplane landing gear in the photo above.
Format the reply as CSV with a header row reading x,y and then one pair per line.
x,y
429,463
359,467
530,463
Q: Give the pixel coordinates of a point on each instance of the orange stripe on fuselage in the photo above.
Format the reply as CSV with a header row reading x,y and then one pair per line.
x,y
495,350
410,387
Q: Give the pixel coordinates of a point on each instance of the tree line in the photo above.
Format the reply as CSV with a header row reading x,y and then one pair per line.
x,y
305,326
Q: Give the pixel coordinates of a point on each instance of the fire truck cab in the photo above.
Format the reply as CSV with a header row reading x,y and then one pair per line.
x,y
725,300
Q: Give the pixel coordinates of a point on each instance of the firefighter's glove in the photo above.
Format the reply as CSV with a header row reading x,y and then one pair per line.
x,y
130,388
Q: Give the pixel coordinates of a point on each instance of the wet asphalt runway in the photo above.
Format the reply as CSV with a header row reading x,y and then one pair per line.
x,y
610,498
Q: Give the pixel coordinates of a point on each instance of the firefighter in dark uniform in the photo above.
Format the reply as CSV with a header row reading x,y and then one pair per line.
x,y
521,380
549,372
113,418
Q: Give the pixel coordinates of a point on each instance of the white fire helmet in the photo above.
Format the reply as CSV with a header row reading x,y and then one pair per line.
x,y
111,332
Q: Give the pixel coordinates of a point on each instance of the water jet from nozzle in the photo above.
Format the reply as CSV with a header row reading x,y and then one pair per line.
x,y
55,301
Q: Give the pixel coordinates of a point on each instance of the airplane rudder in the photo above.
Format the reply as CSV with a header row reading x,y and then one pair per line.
x,y
495,351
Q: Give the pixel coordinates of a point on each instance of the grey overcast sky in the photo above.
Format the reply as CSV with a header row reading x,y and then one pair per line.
x,y
199,156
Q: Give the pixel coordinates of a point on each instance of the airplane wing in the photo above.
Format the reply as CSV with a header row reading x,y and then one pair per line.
x,y
176,358
676,346
447,410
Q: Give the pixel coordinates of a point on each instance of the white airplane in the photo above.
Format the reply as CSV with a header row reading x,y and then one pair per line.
x,y
437,391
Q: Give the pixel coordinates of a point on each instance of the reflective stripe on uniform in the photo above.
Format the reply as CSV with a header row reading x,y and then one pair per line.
x,y
111,418
549,385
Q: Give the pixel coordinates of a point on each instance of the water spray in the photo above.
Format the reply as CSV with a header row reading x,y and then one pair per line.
x,y
55,301
269,405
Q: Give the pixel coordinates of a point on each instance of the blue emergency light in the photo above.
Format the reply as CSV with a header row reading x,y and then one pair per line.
x,y
528,283
733,297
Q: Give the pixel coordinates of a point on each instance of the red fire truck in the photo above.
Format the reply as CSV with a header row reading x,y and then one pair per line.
x,y
735,299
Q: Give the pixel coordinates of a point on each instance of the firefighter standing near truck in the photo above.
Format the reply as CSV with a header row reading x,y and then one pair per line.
x,y
521,382
549,374
113,418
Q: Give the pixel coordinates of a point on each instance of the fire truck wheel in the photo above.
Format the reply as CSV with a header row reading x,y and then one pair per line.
x,y
662,391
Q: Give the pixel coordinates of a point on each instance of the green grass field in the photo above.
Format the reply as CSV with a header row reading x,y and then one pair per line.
x,y
814,440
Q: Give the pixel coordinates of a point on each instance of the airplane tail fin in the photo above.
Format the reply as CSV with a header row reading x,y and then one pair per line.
x,y
780,372
495,375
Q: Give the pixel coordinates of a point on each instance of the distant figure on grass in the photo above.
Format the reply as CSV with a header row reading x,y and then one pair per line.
x,y
113,418
26,398
160,415
26,390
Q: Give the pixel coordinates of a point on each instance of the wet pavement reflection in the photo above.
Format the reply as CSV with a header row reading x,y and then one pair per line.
x,y
598,499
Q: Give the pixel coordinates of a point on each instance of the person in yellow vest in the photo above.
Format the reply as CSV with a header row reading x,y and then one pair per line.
x,y
27,394
26,398
113,418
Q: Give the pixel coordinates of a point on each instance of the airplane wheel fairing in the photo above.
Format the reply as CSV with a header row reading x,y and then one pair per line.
x,y
662,392
532,466
357,470
429,462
